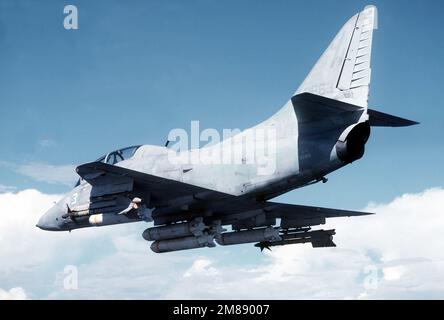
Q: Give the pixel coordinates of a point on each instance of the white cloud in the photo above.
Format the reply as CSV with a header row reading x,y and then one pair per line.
x,y
396,253
53,174
393,273
62,174
13,294
30,257
201,267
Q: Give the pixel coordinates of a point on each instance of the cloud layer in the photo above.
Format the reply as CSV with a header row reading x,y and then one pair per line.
x,y
13,294
43,172
64,174
396,253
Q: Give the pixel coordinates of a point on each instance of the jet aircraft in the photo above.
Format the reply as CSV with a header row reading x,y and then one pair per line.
x,y
323,127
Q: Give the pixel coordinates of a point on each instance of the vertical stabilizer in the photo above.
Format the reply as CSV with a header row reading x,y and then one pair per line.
x,y
343,72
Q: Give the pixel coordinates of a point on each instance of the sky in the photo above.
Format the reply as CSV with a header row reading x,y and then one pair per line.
x,y
134,71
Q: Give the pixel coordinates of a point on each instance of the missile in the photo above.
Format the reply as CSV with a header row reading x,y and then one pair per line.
x,y
249,236
108,219
77,214
318,239
178,230
182,243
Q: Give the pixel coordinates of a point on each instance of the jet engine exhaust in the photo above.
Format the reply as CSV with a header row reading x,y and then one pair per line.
x,y
352,147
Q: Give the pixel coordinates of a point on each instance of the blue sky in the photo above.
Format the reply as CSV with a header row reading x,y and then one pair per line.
x,y
135,70
129,74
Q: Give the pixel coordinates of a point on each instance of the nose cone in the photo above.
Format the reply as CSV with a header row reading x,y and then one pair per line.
x,y
50,220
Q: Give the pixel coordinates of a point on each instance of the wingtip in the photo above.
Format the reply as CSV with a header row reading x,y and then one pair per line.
x,y
409,123
363,214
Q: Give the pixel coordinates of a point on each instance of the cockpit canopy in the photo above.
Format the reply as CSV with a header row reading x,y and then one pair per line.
x,y
116,156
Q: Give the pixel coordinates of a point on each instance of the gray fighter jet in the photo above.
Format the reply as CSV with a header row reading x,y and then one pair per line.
x,y
193,204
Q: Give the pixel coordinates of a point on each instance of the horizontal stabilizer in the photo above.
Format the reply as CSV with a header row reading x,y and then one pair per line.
x,y
310,107
380,119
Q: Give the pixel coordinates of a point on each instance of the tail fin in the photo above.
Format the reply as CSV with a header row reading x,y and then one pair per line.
x,y
343,71
341,77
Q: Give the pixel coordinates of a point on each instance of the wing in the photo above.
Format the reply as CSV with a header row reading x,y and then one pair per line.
x,y
343,71
292,215
178,201
173,200
99,174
